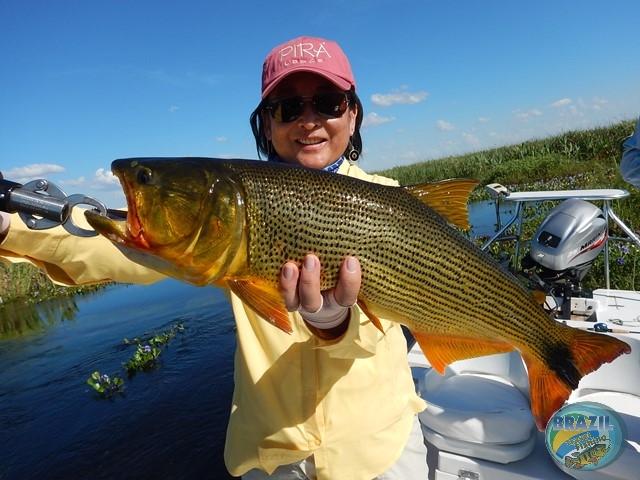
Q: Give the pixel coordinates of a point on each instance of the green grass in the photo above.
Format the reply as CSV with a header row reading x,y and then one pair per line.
x,y
572,160
560,156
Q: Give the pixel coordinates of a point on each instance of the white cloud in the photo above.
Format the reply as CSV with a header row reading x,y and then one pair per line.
x,y
483,120
221,139
580,107
402,96
373,119
104,177
79,182
526,116
444,126
471,139
32,171
174,108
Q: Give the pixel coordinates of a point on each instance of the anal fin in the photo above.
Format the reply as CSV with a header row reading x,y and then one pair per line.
x,y
442,350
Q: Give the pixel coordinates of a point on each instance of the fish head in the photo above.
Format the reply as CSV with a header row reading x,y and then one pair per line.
x,y
185,216
600,450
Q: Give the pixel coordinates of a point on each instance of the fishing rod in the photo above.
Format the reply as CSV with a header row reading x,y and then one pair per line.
x,y
602,327
42,205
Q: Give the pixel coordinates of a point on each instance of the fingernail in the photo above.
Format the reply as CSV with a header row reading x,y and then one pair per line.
x,y
352,264
309,263
287,271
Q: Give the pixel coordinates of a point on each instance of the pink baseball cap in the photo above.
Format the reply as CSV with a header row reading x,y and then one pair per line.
x,y
307,54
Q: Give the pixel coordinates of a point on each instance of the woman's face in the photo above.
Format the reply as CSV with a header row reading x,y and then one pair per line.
x,y
310,140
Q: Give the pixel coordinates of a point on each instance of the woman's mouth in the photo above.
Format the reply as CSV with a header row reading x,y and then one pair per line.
x,y
310,141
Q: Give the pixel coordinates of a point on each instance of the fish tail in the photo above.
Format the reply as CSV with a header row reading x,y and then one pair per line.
x,y
563,364
548,391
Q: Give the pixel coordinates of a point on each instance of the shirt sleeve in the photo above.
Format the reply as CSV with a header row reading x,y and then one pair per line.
x,y
630,162
71,260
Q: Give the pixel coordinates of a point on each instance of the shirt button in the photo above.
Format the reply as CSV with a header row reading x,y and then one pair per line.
x,y
318,442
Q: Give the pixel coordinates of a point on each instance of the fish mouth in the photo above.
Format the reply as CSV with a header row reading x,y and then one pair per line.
x,y
113,226
120,226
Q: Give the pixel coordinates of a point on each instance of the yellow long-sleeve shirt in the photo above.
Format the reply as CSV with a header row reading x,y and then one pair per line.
x,y
350,402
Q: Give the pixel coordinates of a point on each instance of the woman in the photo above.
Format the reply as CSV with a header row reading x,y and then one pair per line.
x,y
357,405
335,399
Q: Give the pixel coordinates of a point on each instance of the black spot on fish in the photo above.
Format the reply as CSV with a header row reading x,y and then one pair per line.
x,y
561,361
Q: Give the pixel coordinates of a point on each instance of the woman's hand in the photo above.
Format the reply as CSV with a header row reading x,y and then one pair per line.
x,y
325,312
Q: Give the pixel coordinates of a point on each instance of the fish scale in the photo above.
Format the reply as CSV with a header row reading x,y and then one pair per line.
x,y
237,222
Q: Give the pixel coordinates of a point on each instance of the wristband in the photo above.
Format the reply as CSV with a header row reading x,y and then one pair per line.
x,y
329,315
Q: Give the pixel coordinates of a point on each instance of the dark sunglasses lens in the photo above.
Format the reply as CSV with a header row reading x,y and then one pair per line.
x,y
286,109
331,105
328,105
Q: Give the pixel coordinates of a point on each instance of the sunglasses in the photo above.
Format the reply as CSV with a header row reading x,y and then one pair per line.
x,y
326,105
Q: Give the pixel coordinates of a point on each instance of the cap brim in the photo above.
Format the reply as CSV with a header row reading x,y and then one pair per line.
x,y
338,81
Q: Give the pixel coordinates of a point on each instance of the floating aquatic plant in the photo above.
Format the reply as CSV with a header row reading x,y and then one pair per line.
x,y
145,358
105,386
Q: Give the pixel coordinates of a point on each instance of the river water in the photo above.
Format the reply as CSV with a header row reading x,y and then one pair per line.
x,y
172,421
170,424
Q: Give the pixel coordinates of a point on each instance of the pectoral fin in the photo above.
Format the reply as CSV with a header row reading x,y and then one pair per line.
x,y
264,299
374,319
442,350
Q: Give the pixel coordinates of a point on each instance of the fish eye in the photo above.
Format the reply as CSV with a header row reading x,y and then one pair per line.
x,y
144,176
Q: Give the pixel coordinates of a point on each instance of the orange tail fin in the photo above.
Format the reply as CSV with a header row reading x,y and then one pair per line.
x,y
553,380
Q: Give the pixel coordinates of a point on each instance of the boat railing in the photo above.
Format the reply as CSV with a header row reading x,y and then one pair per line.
x,y
500,194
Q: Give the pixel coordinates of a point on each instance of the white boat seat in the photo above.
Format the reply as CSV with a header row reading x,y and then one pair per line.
x,y
480,407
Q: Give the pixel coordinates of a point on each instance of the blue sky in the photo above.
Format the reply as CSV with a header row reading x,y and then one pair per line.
x,y
85,82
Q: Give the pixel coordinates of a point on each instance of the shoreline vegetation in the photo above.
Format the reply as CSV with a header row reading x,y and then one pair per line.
x,y
26,283
571,160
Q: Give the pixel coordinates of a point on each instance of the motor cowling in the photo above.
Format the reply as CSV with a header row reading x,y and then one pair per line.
x,y
567,242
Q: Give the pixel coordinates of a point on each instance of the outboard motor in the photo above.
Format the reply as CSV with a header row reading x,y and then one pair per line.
x,y
564,248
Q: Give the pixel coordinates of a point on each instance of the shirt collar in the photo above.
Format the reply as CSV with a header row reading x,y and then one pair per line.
x,y
333,168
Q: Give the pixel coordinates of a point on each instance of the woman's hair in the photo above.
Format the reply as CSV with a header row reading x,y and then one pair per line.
x,y
264,146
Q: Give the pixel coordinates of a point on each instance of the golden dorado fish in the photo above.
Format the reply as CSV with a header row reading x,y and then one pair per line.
x,y
591,455
234,224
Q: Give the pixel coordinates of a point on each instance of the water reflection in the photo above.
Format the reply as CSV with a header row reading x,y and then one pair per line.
x,y
482,216
17,319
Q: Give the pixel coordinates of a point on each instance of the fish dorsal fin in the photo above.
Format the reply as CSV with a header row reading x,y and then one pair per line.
x,y
449,198
442,350
264,299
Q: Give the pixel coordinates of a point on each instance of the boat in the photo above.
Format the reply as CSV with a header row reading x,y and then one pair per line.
x,y
478,424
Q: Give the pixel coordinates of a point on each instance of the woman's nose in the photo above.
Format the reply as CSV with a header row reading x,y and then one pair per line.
x,y
309,115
